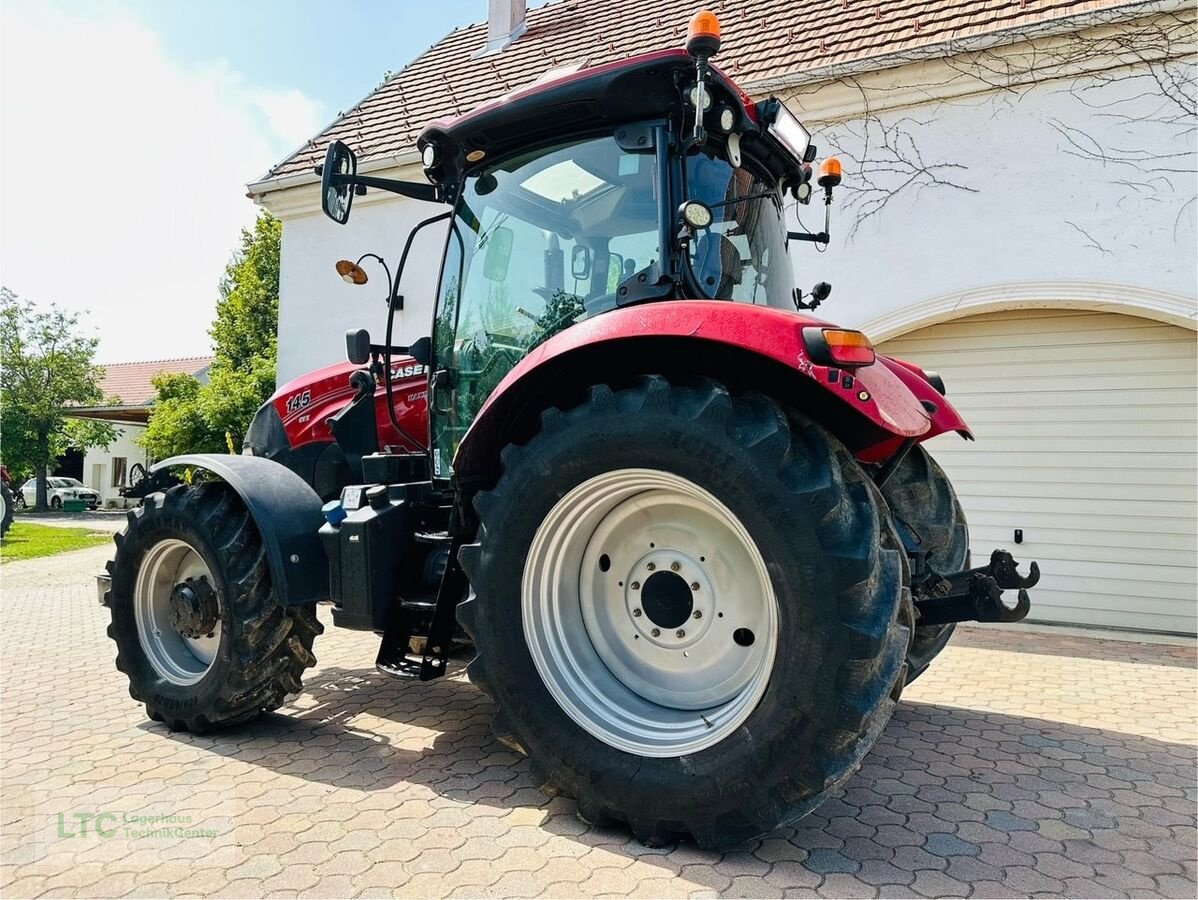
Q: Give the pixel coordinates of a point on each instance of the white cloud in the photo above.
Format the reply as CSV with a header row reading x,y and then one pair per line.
x,y
122,173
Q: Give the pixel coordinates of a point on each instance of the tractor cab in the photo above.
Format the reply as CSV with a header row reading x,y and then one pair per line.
x,y
594,190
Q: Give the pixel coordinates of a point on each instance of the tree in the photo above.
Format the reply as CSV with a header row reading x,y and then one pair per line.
x,y
45,368
190,417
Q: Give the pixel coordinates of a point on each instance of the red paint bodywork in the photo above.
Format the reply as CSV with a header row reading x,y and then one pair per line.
x,y
329,391
896,389
888,393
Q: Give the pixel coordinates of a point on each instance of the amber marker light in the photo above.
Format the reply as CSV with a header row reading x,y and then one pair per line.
x,y
840,347
829,172
703,34
351,273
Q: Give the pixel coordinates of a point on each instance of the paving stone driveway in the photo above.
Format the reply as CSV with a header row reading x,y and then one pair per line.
x,y
1021,764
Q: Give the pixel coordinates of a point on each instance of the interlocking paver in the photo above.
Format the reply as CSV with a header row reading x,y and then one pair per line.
x,y
1071,773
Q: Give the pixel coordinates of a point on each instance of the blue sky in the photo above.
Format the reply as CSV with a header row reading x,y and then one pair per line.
x,y
333,51
131,127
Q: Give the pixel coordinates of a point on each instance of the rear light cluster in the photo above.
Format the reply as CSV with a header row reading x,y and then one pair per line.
x,y
840,347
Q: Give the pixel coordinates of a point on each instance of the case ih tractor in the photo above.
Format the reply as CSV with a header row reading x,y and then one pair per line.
x,y
688,528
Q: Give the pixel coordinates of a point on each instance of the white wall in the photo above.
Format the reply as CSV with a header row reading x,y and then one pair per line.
x,y
316,307
1031,211
1030,207
101,478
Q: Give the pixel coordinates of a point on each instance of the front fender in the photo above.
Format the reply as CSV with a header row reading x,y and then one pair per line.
x,y
874,393
287,514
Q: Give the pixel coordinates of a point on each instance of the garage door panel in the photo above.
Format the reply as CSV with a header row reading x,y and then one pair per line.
x,y
1123,461
1040,479
1103,618
1064,415
1086,432
1087,544
1049,554
1046,396
1068,490
998,380
1122,351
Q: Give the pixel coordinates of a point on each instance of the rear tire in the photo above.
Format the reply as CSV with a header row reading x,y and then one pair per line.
x,y
7,505
926,508
56,502
830,557
256,649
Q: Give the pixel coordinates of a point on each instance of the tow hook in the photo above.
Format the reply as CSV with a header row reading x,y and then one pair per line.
x,y
975,595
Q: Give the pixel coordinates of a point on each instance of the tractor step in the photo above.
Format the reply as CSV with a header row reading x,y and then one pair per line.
x,y
975,595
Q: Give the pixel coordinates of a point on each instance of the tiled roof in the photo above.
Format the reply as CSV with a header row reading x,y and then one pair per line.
x,y
762,39
131,382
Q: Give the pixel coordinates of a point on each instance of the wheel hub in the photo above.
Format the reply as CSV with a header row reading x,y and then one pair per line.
x,y
177,611
667,599
194,609
635,589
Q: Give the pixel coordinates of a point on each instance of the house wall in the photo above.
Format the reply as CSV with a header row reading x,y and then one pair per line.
x,y
98,463
1031,219
316,307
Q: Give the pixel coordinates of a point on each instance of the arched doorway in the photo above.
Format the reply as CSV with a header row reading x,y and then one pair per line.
x,y
1086,436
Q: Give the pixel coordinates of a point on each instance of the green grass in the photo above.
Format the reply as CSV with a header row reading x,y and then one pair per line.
x,y
26,540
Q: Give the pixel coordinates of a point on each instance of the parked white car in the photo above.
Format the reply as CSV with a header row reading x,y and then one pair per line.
x,y
59,489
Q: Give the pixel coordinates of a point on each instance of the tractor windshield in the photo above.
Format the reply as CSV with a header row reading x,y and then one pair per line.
x,y
742,256
538,243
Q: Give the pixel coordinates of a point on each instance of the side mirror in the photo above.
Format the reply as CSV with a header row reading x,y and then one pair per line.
x,y
580,262
499,254
336,177
421,350
357,346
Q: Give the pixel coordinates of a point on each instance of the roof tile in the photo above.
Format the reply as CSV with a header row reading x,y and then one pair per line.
x,y
131,382
762,39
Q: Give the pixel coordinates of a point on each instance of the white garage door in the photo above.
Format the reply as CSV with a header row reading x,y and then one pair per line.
x,y
1086,434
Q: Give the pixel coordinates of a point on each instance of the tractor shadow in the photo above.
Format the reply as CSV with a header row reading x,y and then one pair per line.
x,y
938,771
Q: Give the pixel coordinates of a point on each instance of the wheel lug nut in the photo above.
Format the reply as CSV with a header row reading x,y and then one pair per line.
x,y
636,613
674,567
651,566
656,632
636,585
697,614
694,585
680,633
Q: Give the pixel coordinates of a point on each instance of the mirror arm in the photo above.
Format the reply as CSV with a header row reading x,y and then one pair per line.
x,y
431,193
822,238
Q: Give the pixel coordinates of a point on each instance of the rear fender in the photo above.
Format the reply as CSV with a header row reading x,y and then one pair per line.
x,y
944,415
287,514
718,339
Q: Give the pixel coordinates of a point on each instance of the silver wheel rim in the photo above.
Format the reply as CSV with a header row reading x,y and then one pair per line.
x,y
630,657
180,660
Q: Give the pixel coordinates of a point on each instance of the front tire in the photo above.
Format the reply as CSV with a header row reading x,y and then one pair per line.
x,y
800,563
197,627
56,502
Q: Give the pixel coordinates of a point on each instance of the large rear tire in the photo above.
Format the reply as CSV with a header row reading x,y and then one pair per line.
x,y
198,629
621,696
923,502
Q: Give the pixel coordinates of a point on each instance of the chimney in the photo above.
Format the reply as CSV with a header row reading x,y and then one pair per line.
x,y
505,23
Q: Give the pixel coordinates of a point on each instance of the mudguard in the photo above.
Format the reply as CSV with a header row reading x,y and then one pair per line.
x,y
944,415
874,392
287,513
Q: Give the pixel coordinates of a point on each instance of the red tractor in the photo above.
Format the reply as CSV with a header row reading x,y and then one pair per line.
x,y
688,528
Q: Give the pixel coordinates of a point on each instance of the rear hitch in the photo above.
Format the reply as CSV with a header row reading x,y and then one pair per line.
x,y
975,595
